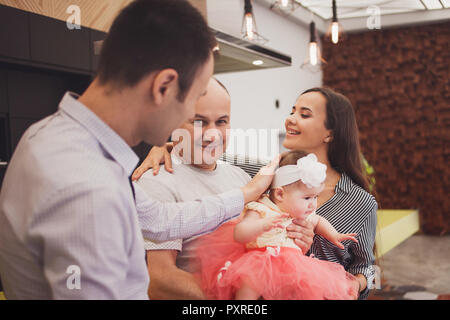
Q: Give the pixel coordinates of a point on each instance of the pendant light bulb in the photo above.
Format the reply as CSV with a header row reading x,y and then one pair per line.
x,y
314,61
249,26
312,44
313,53
284,3
284,7
248,29
335,32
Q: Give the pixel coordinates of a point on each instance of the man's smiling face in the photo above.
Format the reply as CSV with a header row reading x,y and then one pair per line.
x,y
209,128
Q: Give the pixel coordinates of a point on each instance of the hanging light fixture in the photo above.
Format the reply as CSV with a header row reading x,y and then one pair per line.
x,y
284,7
249,31
335,31
314,61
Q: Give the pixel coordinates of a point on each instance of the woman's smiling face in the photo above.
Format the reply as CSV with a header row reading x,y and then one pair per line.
x,y
305,126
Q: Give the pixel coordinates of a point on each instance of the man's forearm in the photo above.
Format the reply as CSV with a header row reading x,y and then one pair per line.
x,y
168,221
175,285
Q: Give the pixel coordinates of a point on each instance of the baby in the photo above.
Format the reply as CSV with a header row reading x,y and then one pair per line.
x,y
295,189
252,257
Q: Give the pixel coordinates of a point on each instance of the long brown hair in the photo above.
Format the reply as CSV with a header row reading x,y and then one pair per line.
x,y
344,152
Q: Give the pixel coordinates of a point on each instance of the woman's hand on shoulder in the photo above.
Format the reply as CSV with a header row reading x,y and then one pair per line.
x,y
156,156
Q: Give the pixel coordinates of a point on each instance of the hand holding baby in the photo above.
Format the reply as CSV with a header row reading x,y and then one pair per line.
x,y
269,223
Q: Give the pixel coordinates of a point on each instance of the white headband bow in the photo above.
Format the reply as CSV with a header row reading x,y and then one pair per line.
x,y
308,169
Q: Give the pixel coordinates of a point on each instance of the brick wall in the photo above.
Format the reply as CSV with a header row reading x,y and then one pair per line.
x,y
398,82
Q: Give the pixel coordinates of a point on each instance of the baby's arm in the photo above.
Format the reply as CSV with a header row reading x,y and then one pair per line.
x,y
252,225
326,230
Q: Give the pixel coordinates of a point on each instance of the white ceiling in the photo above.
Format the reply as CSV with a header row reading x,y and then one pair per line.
x,y
358,8
353,14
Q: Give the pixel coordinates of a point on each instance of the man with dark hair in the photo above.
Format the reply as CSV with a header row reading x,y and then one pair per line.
x,y
166,39
69,225
162,35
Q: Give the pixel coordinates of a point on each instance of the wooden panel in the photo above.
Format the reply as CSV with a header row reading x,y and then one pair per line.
x,y
14,33
44,91
33,95
97,14
4,144
52,42
3,92
4,128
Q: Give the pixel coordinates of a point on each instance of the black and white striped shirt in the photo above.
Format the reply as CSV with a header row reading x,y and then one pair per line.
x,y
350,210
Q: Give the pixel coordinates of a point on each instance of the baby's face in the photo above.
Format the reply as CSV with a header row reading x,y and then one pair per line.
x,y
300,201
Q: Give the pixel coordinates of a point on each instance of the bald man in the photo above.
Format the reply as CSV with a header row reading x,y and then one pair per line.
x,y
172,262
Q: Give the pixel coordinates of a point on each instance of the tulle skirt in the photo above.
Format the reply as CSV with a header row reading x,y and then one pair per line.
x,y
275,273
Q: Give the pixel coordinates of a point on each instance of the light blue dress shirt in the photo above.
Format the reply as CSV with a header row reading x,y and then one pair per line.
x,y
69,225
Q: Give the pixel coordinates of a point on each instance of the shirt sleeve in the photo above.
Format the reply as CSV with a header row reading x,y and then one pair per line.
x,y
363,258
85,237
157,189
167,221
163,245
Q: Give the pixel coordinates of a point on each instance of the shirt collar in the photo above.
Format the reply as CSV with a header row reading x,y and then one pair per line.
x,y
344,183
113,144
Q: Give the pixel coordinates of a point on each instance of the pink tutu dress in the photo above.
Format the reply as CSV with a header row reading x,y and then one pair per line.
x,y
273,265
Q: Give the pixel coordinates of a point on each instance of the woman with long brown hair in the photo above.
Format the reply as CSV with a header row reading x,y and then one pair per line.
x,y
323,122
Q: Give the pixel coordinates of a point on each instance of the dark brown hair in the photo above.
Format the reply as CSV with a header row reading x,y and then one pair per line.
x,y
152,35
344,152
291,157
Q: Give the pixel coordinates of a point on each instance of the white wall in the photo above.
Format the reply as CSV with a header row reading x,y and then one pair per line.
x,y
253,93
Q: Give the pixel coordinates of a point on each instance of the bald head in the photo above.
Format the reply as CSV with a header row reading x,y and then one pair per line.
x,y
212,113
221,84
216,103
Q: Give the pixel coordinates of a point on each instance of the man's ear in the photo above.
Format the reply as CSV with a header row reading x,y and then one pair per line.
x,y
165,83
278,194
